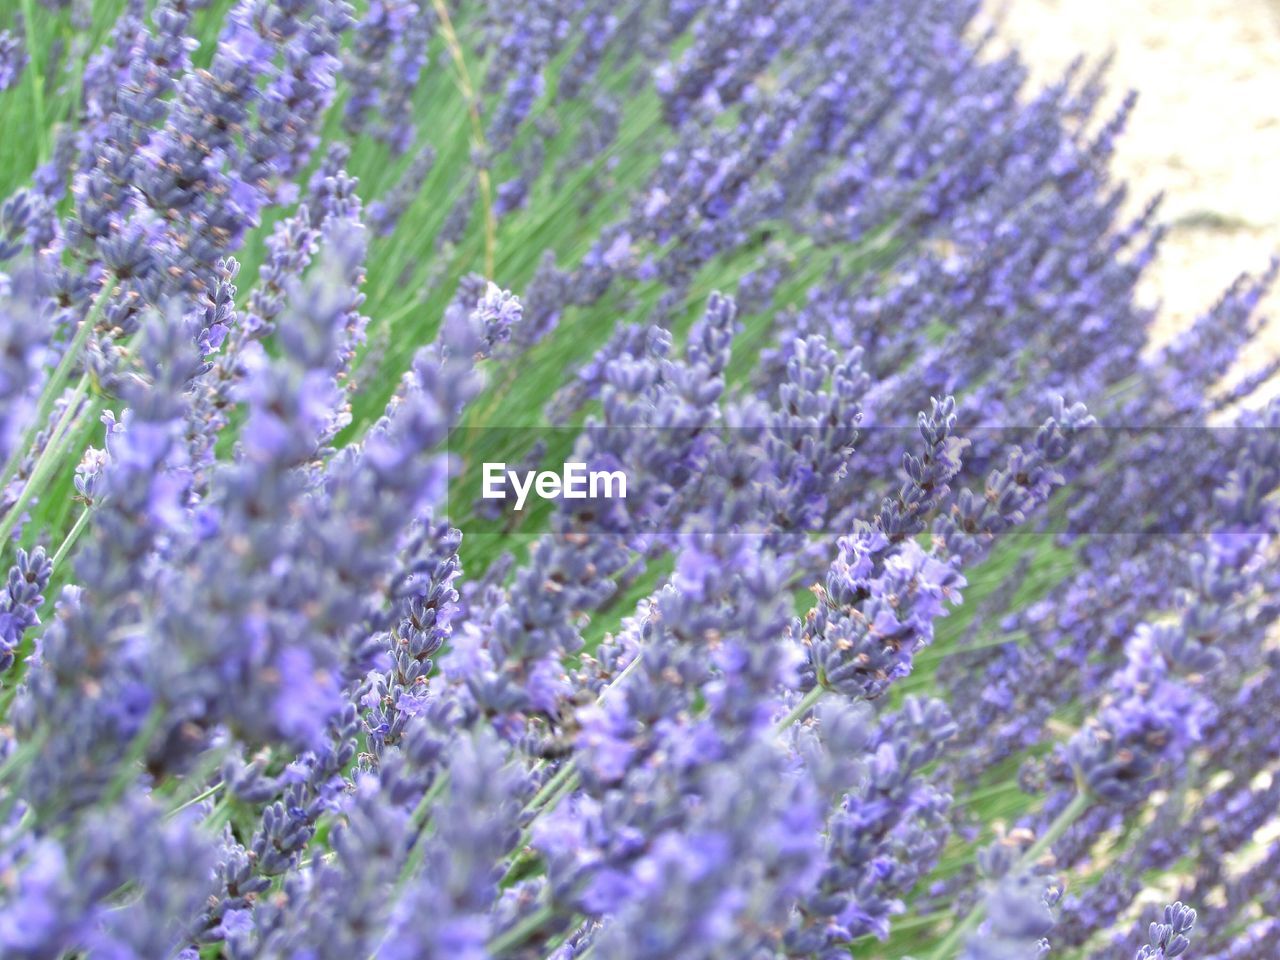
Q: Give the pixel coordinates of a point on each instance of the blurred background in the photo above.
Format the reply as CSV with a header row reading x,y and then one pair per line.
x,y
1206,130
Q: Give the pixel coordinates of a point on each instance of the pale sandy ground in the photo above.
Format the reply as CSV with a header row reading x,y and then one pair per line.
x,y
1206,130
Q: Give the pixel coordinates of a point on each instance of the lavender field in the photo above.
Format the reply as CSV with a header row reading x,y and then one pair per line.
x,y
614,479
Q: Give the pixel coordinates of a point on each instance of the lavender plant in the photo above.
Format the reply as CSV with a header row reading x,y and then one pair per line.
x,y
936,619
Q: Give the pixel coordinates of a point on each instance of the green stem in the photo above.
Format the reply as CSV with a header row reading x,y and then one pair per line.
x,y
569,780
554,790
47,462
517,934
1070,814
419,849
801,708
1060,825
137,750
36,69
467,89
560,785
550,788
19,757
198,798
53,390
220,815
420,813
69,540
17,761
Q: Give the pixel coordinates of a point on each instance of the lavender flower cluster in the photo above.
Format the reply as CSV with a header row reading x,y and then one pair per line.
x,y
936,622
